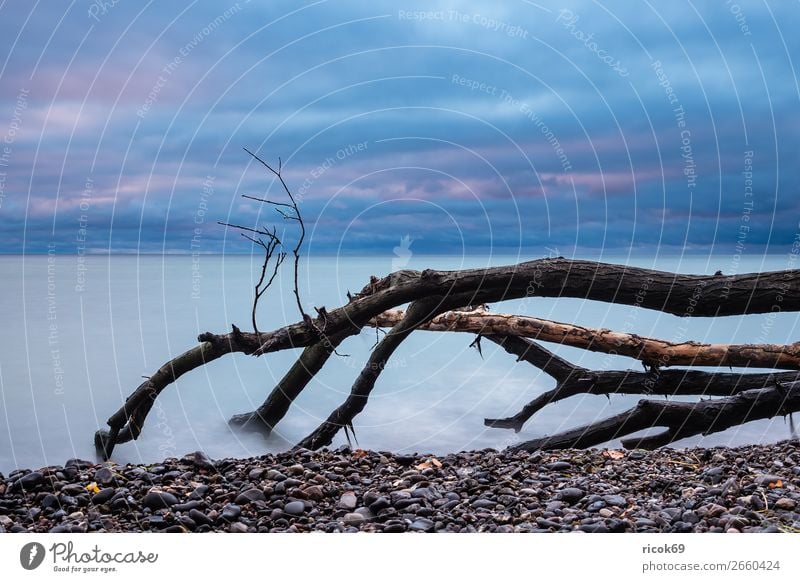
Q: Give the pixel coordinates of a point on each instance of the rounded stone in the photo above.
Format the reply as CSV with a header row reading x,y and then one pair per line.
x,y
294,508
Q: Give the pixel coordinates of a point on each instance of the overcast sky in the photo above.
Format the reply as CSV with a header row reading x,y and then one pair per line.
x,y
464,126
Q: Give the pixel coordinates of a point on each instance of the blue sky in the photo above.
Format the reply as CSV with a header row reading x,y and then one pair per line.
x,y
466,126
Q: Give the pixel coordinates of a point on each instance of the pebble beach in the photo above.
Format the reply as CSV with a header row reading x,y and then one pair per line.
x,y
733,490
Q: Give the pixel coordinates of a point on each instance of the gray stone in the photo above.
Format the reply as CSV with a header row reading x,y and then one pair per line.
x,y
381,503
615,500
348,501
422,524
690,517
256,474
294,508
250,496
104,476
231,512
354,519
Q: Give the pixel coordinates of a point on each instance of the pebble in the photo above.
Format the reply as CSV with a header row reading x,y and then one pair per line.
x,y
29,482
666,490
422,524
354,519
250,496
231,512
159,500
104,476
570,494
103,496
348,501
294,508
615,500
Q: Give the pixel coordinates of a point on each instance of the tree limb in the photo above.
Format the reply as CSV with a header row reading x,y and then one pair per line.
x,y
681,419
654,353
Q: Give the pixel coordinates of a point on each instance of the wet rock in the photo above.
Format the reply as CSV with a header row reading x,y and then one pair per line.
x,y
199,517
295,508
250,496
155,500
29,482
422,524
570,494
615,500
103,496
104,476
231,512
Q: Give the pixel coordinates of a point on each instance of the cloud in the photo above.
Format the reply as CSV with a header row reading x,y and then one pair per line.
x,y
481,127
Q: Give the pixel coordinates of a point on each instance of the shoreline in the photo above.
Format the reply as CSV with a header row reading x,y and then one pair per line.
x,y
744,489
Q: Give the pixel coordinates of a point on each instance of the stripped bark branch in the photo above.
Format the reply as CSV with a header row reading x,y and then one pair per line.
x,y
653,353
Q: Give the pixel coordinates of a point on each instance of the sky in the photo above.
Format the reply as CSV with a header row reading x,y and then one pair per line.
x,y
439,127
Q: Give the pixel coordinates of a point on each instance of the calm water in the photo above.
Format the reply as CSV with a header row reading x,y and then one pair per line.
x,y
77,342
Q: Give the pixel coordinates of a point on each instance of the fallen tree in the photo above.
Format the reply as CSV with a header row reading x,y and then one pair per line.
x,y
439,301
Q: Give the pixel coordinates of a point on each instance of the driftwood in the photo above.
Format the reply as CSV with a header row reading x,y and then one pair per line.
x,y
681,419
689,295
432,294
572,380
652,352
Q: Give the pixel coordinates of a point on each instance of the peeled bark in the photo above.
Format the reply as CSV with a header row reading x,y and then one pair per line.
x,y
652,352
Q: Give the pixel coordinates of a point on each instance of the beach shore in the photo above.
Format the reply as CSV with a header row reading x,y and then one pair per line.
x,y
746,489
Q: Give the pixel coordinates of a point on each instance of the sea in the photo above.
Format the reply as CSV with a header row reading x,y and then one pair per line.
x,y
80,333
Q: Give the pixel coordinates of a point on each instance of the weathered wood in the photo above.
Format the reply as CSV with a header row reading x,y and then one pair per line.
x,y
277,404
572,380
680,419
126,424
343,416
652,352
684,295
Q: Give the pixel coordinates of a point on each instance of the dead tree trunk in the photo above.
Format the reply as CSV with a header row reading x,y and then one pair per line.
x,y
684,295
